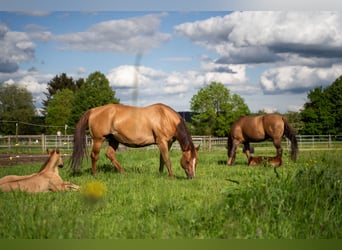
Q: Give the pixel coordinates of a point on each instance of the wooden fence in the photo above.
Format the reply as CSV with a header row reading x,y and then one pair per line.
x,y
39,143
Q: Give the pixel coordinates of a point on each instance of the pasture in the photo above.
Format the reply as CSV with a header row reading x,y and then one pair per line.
x,y
301,200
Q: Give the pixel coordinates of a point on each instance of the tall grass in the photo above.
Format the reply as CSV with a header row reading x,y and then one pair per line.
x,y
298,200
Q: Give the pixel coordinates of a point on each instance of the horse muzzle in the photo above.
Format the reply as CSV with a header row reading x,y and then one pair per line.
x,y
189,176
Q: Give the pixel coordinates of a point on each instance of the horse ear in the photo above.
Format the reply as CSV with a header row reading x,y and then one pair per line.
x,y
47,151
57,150
198,147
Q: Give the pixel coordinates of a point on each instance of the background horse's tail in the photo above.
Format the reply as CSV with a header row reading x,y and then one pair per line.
x,y
229,144
80,144
291,135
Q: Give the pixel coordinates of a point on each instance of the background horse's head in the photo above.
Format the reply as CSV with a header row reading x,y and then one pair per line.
x,y
189,161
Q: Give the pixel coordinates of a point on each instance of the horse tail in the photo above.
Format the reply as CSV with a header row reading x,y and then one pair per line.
x,y
79,148
291,135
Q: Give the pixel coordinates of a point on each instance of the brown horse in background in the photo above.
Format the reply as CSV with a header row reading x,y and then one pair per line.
x,y
260,128
134,127
47,179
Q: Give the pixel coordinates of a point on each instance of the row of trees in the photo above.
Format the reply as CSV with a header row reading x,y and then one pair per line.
x,y
213,108
322,114
66,100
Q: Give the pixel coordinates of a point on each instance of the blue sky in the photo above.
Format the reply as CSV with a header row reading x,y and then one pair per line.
x,y
270,58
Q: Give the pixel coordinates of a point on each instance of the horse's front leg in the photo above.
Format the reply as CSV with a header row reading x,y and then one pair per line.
x,y
247,150
165,158
161,159
70,186
232,152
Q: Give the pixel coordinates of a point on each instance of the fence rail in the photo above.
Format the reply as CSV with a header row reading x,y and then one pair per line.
x,y
39,143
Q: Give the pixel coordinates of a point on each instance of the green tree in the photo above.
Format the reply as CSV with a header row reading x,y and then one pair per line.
x,y
323,114
95,92
334,95
58,83
215,109
16,109
59,110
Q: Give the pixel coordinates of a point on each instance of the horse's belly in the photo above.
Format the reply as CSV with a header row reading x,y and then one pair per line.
x,y
257,137
134,139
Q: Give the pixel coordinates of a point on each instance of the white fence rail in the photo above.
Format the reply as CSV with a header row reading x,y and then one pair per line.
x,y
39,143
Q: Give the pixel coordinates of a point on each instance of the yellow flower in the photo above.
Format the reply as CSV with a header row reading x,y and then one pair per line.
x,y
94,190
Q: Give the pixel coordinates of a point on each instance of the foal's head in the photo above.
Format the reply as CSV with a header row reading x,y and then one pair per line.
x,y
189,161
56,157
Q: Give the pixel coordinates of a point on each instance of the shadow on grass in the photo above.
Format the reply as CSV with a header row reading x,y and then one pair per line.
x,y
108,168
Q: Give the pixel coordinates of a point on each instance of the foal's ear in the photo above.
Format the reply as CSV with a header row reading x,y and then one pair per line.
x,y
48,151
198,147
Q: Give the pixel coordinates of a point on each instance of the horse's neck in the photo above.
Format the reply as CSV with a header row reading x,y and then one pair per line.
x,y
183,137
50,166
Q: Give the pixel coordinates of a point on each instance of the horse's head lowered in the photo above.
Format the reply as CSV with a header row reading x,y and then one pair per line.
x,y
189,161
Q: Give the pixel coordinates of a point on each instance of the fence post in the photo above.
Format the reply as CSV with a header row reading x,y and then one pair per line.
x,y
329,141
43,143
313,141
209,146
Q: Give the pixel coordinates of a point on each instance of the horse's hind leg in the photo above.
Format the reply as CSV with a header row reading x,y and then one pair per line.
x,y
111,150
95,154
161,163
277,145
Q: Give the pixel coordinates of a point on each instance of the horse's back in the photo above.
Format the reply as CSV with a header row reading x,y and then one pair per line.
x,y
248,128
257,128
9,178
133,125
32,184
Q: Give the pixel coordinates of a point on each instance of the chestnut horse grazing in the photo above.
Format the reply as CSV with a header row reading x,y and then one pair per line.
x,y
47,179
134,127
260,128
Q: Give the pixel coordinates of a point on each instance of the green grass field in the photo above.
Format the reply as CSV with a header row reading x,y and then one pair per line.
x,y
301,200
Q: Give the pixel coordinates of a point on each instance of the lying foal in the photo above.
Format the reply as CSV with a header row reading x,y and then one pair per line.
x,y
47,179
264,160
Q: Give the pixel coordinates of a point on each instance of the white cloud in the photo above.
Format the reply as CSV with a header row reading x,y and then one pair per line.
x,y
228,74
16,47
32,84
127,76
34,81
303,48
133,35
174,88
81,71
298,78
253,33
176,59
